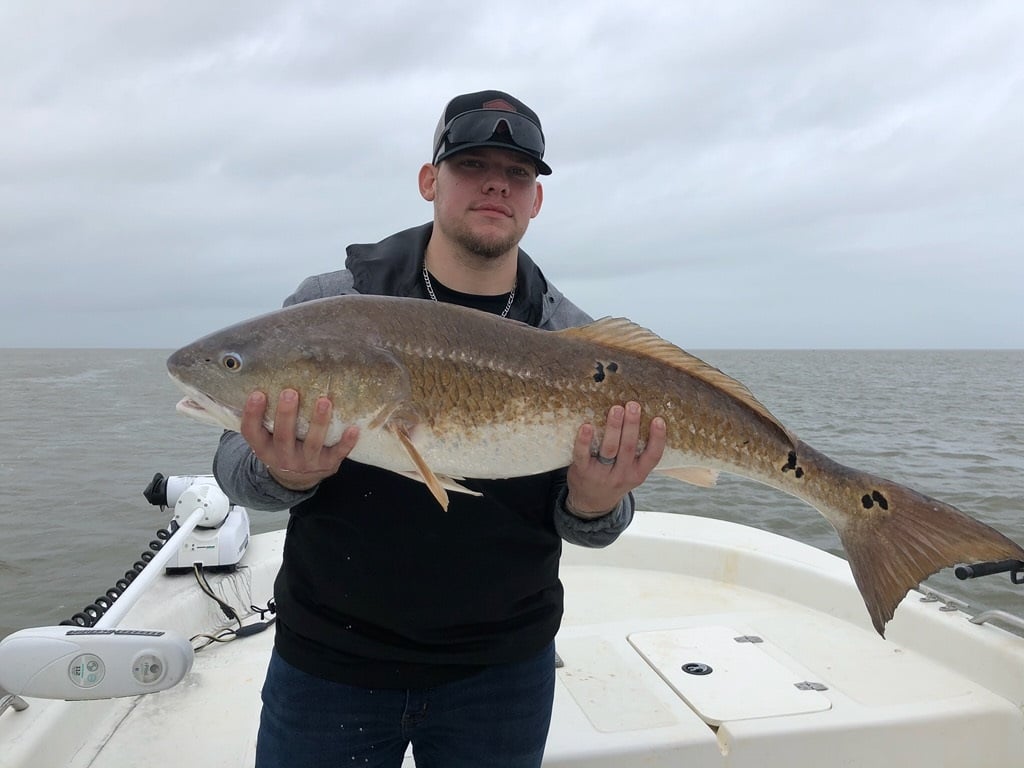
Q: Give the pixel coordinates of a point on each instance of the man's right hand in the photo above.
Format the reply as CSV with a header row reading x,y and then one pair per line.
x,y
298,465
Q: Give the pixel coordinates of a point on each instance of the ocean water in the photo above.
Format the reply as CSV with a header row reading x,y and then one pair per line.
x,y
83,431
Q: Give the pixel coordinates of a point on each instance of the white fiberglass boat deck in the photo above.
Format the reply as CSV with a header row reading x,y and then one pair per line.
x,y
689,642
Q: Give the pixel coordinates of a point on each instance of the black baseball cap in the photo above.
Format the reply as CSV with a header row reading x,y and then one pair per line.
x,y
490,119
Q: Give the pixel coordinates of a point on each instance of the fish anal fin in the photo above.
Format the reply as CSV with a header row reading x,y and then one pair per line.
x,y
448,483
699,476
426,473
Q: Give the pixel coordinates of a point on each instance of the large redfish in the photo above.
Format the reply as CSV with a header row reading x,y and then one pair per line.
x,y
441,392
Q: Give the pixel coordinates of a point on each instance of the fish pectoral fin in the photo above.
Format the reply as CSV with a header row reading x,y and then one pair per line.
x,y
699,476
448,483
426,474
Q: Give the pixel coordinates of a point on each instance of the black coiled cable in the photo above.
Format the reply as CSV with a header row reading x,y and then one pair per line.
x,y
88,616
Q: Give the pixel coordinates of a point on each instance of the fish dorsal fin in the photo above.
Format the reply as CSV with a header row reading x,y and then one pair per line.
x,y
624,334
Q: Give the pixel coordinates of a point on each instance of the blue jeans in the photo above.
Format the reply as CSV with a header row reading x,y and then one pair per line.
x,y
497,718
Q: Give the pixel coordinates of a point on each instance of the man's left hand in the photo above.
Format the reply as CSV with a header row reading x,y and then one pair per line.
x,y
598,481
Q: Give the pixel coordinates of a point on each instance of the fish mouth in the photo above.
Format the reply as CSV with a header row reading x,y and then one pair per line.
x,y
203,408
189,407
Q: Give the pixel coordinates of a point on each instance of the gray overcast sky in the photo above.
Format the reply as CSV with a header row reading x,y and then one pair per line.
x,y
729,174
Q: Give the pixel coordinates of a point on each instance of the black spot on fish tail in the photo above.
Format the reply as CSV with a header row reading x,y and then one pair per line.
x,y
875,497
599,376
791,464
613,367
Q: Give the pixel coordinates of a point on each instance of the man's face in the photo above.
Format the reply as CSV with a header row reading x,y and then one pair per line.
x,y
483,198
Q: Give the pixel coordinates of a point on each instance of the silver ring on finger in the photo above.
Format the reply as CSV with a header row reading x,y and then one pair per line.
x,y
605,460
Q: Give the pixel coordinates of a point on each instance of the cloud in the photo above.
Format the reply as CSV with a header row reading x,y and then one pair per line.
x,y
169,168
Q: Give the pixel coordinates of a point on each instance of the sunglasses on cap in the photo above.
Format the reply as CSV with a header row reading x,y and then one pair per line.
x,y
480,126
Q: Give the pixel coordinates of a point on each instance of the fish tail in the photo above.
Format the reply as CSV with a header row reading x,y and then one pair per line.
x,y
895,537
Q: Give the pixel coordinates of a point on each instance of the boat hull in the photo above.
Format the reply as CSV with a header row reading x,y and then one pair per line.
x,y
673,591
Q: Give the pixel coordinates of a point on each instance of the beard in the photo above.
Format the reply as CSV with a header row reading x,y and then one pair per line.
x,y
482,246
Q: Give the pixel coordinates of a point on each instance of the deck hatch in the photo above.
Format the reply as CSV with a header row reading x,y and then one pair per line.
x,y
745,682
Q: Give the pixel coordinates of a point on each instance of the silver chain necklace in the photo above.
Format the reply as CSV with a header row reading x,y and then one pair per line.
x,y
430,291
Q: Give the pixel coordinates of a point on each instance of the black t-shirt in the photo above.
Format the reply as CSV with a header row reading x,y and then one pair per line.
x,y
383,588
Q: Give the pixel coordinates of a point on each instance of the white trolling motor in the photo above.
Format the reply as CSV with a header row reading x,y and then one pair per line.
x,y
90,657
221,537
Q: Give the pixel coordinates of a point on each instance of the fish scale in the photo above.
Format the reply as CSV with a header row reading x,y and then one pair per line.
x,y
442,392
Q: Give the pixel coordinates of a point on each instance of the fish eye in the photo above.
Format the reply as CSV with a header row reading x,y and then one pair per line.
x,y
231,361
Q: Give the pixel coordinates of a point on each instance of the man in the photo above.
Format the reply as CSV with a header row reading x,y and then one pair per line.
x,y
398,622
